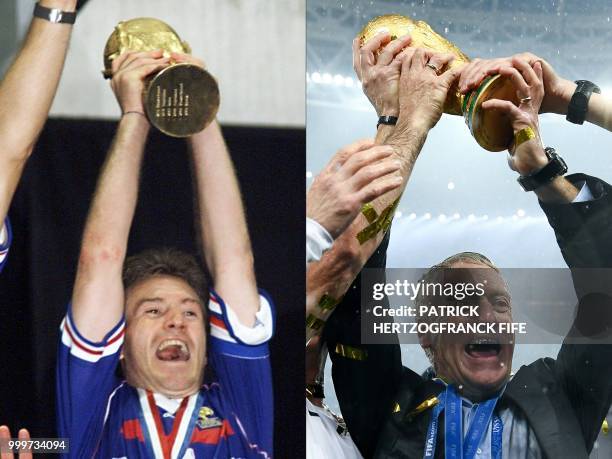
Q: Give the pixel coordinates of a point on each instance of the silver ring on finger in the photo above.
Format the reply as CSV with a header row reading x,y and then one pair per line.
x,y
524,100
433,67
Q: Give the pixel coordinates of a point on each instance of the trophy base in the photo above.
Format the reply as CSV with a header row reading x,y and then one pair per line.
x,y
181,100
491,129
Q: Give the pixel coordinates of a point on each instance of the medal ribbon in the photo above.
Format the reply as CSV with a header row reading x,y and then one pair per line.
x,y
165,446
454,445
167,441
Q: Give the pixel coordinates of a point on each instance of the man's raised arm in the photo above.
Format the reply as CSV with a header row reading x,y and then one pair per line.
x,y
224,234
26,93
97,301
421,96
579,209
558,90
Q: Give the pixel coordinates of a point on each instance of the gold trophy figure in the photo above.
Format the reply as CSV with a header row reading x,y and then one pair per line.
x,y
181,99
490,128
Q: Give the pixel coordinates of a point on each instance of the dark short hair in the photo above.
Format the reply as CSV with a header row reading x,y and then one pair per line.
x,y
165,262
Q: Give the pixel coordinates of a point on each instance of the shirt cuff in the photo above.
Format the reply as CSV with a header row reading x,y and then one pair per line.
x,y
261,331
225,325
318,240
85,349
584,194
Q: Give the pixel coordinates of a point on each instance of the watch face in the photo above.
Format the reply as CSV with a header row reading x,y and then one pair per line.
x,y
55,15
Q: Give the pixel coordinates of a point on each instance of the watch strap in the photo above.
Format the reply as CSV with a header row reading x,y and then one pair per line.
x,y
578,106
386,119
555,168
54,15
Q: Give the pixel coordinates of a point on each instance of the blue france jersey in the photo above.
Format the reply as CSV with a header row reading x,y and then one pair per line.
x,y
106,418
5,242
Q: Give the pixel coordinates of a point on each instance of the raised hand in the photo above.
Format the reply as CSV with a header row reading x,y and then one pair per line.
x,y
129,72
357,174
423,87
379,70
529,156
557,91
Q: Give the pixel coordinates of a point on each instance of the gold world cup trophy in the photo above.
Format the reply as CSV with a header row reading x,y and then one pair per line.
x,y
181,99
491,129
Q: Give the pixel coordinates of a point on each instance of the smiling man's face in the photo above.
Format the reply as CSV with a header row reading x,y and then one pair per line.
x,y
165,337
479,365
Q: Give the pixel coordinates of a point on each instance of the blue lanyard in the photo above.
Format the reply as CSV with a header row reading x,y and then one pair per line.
x,y
432,431
496,437
453,425
454,446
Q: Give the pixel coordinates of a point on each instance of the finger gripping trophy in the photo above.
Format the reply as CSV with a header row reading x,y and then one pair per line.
x,y
181,99
491,129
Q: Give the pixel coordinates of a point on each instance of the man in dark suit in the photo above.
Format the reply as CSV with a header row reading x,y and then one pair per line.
x,y
550,408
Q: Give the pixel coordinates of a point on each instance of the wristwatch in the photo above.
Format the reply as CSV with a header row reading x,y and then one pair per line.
x,y
555,168
386,119
54,15
579,104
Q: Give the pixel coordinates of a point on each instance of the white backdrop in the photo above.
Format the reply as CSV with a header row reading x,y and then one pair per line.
x,y
255,49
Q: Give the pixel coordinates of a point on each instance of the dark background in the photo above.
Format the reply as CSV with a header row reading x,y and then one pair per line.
x,y
48,214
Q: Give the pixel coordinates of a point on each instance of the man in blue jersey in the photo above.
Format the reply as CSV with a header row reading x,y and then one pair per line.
x,y
150,313
26,93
